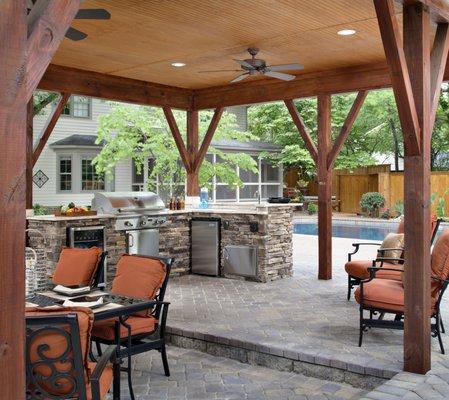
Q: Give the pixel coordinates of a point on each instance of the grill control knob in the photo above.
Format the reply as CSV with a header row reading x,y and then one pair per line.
x,y
143,223
127,223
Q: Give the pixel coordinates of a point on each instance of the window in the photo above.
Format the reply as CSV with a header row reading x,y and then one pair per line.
x,y
90,180
78,107
138,179
65,173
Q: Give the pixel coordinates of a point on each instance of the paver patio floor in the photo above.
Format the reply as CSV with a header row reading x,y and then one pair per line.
x,y
197,376
299,314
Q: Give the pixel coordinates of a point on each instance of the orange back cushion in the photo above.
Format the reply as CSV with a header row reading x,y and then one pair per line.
x,y
57,344
138,277
77,266
440,256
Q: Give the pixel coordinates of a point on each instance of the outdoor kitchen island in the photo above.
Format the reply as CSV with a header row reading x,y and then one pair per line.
x,y
267,227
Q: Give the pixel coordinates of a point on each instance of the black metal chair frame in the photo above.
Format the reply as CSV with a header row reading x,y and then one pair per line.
x,y
141,343
354,281
367,323
38,326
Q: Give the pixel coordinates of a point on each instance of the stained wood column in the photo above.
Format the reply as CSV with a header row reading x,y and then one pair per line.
x,y
13,117
29,155
324,189
416,25
193,188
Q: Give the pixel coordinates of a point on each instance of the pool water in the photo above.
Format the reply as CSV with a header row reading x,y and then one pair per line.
x,y
348,231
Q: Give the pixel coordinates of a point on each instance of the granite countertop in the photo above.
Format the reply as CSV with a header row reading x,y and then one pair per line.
x,y
253,209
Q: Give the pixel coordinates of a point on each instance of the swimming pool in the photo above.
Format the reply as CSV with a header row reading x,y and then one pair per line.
x,y
346,230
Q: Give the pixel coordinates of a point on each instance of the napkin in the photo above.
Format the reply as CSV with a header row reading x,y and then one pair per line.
x,y
69,303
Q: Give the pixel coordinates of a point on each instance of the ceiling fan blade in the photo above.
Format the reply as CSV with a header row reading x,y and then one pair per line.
x,y
279,75
75,34
240,78
286,67
243,63
94,13
220,70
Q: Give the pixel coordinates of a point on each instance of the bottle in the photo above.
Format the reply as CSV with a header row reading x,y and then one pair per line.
x,y
182,204
204,198
178,204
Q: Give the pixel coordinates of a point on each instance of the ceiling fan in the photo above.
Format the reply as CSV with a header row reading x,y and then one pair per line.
x,y
256,66
93,13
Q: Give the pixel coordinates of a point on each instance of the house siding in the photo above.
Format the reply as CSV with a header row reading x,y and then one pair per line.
x,y
49,195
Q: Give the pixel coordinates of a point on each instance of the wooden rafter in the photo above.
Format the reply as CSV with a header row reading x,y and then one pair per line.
x,y
302,129
208,138
87,83
48,22
49,126
438,60
346,128
178,138
29,155
400,78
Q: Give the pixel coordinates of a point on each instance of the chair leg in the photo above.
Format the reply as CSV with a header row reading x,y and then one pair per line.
x,y
98,346
130,382
164,360
361,327
438,333
116,381
442,325
349,287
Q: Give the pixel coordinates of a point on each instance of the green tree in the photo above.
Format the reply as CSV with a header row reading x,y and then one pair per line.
x,y
42,99
140,132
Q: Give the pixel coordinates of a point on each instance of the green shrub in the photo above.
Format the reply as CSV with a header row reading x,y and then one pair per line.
x,y
312,208
399,208
371,202
386,214
39,210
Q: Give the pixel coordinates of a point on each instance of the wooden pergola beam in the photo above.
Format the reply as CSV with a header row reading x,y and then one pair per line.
x,y
400,78
185,157
302,129
438,60
439,9
49,126
110,87
208,138
29,154
13,117
48,22
346,128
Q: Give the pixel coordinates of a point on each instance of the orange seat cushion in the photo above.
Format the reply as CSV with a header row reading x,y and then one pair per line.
x,y
384,294
105,329
359,269
77,266
139,277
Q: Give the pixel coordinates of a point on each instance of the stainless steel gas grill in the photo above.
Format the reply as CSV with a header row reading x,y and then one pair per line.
x,y
139,214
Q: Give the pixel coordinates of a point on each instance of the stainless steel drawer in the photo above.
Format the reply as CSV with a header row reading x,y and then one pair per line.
x,y
240,260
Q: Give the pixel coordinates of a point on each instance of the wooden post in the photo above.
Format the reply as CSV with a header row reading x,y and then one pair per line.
x,y
417,358
13,117
193,188
29,155
324,188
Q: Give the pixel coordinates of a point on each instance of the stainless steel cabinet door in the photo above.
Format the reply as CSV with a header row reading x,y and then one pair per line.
x,y
205,239
144,242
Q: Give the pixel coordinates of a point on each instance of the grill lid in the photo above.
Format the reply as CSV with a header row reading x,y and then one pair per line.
x,y
126,202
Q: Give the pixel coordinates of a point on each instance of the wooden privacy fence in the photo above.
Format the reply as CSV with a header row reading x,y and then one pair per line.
x,y
349,186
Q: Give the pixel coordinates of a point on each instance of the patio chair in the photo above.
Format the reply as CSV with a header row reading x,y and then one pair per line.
x,y
57,363
141,277
358,270
79,267
386,296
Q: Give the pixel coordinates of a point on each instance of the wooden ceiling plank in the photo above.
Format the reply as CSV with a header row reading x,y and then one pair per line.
x,y
400,78
177,136
302,129
49,126
346,128
438,61
48,22
110,87
208,137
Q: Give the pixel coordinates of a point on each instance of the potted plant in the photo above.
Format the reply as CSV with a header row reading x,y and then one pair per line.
x,y
371,203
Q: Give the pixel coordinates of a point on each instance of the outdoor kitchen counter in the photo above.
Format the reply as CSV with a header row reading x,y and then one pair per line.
x,y
273,237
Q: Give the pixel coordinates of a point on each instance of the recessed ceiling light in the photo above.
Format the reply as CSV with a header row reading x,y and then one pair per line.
x,y
346,32
178,64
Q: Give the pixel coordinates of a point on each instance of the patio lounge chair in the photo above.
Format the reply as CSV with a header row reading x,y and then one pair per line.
x,y
386,296
57,363
358,270
79,267
139,277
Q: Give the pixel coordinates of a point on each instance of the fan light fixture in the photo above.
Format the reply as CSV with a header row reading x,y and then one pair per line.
x,y
178,64
346,32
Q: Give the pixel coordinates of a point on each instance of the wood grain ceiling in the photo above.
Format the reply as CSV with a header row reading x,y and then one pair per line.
x,y
143,37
